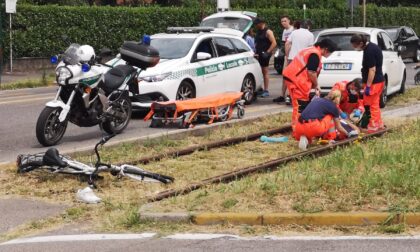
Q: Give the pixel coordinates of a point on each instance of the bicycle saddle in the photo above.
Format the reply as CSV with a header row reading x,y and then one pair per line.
x,y
52,157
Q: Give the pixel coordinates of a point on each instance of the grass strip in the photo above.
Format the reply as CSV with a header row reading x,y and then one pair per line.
x,y
411,95
45,80
381,175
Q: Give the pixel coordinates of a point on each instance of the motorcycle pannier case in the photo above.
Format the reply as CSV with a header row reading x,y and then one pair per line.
x,y
139,55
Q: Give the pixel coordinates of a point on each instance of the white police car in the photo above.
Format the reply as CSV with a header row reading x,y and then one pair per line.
x,y
198,61
346,63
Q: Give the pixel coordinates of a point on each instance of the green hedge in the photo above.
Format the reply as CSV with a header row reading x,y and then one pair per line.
x,y
37,30
328,18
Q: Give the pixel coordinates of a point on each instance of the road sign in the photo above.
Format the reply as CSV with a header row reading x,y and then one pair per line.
x,y
223,5
11,6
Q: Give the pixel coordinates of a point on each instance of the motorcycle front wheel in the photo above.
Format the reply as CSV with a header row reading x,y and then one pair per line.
x,y
49,129
121,116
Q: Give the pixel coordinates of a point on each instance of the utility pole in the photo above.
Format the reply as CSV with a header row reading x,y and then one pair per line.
x,y
364,13
11,8
202,9
1,44
351,5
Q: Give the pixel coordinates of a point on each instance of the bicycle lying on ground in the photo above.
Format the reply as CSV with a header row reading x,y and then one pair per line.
x,y
52,161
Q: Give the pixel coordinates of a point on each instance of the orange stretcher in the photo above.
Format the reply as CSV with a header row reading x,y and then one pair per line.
x,y
217,107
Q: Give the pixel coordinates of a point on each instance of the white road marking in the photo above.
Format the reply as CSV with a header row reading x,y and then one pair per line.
x,y
340,238
85,237
188,236
201,236
27,98
193,236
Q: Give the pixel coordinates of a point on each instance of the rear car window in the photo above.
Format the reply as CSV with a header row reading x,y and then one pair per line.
x,y
240,45
393,33
170,48
239,24
224,47
342,40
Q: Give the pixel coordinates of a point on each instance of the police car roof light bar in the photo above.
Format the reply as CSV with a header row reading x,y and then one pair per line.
x,y
189,29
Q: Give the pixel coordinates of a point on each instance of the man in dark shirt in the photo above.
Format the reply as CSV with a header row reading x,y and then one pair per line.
x,y
373,80
321,118
265,43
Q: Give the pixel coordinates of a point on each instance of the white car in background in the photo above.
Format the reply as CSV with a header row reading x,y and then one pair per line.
x,y
198,61
346,63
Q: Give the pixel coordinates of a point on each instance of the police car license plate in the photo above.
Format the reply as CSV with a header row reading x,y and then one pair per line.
x,y
337,66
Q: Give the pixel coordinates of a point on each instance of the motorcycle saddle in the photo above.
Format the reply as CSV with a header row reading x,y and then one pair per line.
x,y
52,158
116,76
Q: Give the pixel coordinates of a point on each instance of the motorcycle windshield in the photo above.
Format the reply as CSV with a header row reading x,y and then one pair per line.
x,y
70,56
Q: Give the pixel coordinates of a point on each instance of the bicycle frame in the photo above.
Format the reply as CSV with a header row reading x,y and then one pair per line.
x,y
56,163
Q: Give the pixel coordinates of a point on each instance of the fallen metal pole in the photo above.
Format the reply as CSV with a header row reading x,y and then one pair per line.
x,y
212,145
273,164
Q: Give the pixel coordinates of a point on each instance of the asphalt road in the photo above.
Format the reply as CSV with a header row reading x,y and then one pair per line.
x,y
19,110
227,243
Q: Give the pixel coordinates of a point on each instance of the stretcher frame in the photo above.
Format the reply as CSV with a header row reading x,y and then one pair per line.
x,y
211,108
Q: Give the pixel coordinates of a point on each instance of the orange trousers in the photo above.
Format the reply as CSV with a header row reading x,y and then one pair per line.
x,y
372,102
324,128
299,102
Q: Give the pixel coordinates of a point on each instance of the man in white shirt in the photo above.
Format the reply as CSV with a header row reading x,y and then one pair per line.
x,y
299,39
287,30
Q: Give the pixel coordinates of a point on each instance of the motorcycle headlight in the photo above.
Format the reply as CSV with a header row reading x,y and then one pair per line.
x,y
63,74
155,78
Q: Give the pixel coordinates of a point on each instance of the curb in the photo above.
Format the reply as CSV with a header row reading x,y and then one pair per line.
x,y
316,219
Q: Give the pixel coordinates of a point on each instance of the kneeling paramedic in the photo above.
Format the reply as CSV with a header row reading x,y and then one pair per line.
x,y
321,118
301,75
351,98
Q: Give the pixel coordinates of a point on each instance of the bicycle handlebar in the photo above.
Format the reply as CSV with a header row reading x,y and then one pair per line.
x,y
106,139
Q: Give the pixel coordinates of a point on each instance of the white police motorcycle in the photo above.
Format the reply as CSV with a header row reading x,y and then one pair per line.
x,y
91,93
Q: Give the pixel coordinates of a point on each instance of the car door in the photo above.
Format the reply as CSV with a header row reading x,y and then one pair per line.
x,y
390,60
411,42
206,70
240,65
227,65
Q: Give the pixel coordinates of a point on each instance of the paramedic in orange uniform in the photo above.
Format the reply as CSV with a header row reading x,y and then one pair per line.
x,y
301,75
321,118
373,79
351,97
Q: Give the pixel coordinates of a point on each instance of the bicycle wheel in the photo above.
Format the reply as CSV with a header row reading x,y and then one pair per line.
x,y
29,162
146,174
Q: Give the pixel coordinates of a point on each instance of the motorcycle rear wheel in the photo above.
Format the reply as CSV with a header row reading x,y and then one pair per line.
x,y
116,125
49,129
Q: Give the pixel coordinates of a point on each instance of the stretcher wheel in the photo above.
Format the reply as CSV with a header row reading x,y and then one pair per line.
x,y
240,112
222,111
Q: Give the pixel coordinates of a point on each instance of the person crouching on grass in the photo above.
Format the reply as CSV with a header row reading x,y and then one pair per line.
x,y
321,118
301,75
351,102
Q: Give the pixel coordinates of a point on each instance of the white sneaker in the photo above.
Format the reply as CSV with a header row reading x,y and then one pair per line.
x,y
303,142
88,196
